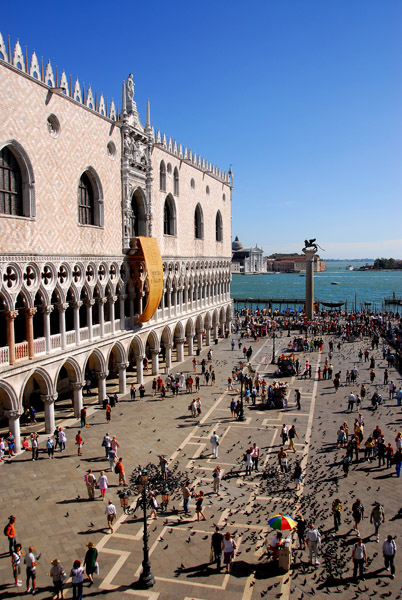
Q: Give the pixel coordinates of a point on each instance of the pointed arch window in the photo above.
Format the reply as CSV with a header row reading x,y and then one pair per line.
x,y
139,217
176,182
90,199
198,223
17,191
169,216
162,177
10,184
219,227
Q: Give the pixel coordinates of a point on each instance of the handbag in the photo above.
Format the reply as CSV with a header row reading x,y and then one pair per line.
x,y
96,568
211,555
103,443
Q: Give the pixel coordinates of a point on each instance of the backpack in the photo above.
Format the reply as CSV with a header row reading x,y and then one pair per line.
x,y
116,469
5,530
378,512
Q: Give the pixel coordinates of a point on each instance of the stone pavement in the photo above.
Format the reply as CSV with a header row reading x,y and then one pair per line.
x,y
48,497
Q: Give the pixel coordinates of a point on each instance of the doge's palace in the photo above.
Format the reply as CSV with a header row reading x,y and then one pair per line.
x,y
115,243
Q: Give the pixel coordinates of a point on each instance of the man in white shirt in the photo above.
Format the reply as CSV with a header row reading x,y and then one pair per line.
x,y
111,513
313,540
214,439
351,401
31,570
359,558
389,550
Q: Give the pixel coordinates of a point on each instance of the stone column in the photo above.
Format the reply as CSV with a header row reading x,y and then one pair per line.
x,y
14,426
77,398
62,307
112,300
180,349
122,377
122,297
76,307
208,335
48,402
169,302
155,362
10,316
29,313
101,308
215,330
89,304
190,341
101,386
131,298
140,369
168,355
46,310
199,339
309,282
185,297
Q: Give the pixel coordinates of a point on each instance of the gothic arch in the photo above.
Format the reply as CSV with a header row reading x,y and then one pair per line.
x,y
27,175
121,351
10,394
71,366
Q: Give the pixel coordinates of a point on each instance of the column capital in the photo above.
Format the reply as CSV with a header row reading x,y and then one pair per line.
x,y
46,310
112,299
89,302
62,306
30,312
49,398
78,385
207,328
14,414
101,300
102,374
77,304
167,345
10,315
182,340
153,351
122,366
139,357
123,296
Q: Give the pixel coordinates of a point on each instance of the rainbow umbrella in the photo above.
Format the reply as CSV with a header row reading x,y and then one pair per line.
x,y
282,522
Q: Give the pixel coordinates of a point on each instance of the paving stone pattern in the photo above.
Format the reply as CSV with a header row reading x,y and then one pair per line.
x,y
48,497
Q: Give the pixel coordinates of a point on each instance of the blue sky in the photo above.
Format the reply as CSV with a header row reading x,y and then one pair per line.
x,y
303,98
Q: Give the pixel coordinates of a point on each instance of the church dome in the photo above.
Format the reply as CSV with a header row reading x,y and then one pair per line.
x,y
237,245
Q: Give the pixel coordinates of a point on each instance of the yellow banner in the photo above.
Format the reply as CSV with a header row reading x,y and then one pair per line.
x,y
154,267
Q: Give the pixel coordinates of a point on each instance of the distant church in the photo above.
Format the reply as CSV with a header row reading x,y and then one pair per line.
x,y
248,261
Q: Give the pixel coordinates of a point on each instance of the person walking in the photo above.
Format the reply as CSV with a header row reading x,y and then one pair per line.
x,y
292,434
217,547
9,531
359,558
58,576
83,417
90,482
229,547
50,447
35,445
77,579
102,484
313,541
132,392
336,510
377,517
198,505
248,462
108,412
62,439
297,399
91,557
297,475
79,442
112,459
301,531
16,564
217,475
186,496
106,443
163,462
255,455
120,470
283,460
111,514
357,514
30,562
214,439
388,551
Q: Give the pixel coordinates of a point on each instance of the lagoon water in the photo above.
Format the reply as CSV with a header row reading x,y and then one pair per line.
x,y
369,286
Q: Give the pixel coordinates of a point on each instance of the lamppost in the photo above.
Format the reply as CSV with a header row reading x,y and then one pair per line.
x,y
241,416
273,348
146,579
